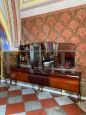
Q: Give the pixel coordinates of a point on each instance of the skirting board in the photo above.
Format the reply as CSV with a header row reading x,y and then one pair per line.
x,y
52,90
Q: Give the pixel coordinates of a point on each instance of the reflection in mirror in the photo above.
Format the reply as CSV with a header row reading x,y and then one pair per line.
x,y
49,55
65,57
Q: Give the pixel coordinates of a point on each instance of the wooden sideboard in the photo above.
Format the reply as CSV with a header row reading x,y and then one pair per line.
x,y
18,74
63,80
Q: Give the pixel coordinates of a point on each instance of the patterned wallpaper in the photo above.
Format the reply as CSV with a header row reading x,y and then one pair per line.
x,y
65,26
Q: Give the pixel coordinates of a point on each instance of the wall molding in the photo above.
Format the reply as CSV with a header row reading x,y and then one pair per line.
x,y
51,7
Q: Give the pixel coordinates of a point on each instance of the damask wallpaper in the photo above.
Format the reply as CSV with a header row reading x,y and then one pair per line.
x,y
64,26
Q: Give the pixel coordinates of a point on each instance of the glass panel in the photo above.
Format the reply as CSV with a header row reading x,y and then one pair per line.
x,y
48,55
65,56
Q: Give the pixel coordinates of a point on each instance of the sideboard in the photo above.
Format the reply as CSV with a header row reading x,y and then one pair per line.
x,y
67,80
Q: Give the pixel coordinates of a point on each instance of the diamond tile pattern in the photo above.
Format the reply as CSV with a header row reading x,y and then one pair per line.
x,y
27,91
2,109
18,100
33,105
63,100
82,105
44,95
15,99
55,111
20,113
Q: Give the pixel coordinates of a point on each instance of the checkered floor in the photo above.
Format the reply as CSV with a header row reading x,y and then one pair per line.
x,y
18,100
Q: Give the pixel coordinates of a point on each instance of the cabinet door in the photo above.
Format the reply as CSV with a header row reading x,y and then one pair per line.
x,y
66,84
13,75
22,76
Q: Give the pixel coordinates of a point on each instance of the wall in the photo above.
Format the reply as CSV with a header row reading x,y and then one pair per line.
x,y
66,26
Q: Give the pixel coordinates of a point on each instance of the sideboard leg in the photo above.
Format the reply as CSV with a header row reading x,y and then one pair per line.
x,y
10,81
79,97
15,82
62,92
39,88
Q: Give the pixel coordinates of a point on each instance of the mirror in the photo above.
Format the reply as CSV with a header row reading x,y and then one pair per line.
x,y
49,55
65,56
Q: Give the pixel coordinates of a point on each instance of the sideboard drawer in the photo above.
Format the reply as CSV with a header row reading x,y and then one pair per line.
x,y
66,84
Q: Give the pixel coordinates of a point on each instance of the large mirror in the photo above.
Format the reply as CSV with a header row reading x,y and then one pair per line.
x,y
48,55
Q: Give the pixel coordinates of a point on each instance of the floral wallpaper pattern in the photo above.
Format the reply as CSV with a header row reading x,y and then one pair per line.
x,y
65,26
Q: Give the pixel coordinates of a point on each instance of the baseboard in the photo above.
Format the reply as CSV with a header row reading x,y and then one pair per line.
x,y
45,89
